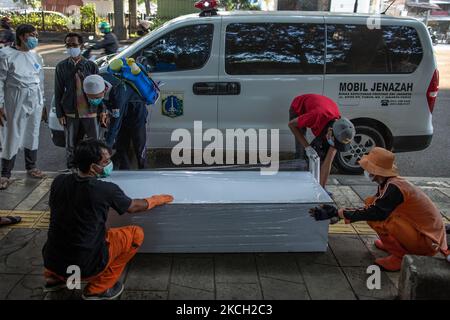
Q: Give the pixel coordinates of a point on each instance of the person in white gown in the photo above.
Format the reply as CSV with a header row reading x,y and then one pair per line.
x,y
21,103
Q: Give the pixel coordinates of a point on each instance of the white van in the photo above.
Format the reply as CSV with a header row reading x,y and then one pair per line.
x,y
243,69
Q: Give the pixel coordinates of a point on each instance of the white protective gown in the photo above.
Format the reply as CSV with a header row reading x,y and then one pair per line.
x,y
22,96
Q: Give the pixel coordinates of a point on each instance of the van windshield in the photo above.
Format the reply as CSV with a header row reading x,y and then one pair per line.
x,y
132,48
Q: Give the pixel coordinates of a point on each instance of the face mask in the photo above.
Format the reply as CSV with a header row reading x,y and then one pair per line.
x,y
32,42
367,175
107,170
74,52
331,142
96,102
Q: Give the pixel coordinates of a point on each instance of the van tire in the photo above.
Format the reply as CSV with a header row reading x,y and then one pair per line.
x,y
365,139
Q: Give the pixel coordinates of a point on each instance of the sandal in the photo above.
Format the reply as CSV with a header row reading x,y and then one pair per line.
x,y
10,220
4,183
36,174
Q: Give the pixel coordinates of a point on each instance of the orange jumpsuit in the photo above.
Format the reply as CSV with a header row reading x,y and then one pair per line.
x,y
123,243
414,227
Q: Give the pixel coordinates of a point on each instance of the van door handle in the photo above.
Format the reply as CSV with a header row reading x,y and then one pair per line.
x,y
232,88
205,88
217,88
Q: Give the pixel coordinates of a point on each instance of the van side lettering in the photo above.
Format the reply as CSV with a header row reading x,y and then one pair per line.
x,y
392,87
376,87
352,86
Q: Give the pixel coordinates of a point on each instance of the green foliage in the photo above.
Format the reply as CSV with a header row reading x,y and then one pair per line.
x,y
143,1
238,5
88,17
52,22
31,3
158,22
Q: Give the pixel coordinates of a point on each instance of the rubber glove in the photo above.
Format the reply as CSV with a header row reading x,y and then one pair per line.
x,y
310,152
325,212
158,200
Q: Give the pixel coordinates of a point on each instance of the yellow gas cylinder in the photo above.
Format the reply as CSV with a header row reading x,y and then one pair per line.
x,y
133,66
116,65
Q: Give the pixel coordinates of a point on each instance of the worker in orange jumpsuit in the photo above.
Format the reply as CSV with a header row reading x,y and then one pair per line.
x,y
77,235
403,216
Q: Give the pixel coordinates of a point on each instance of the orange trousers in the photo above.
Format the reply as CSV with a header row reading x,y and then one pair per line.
x,y
123,244
400,237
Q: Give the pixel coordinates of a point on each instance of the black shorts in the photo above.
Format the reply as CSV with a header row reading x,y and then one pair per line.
x,y
319,143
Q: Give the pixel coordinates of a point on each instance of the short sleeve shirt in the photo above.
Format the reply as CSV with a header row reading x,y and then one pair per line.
x,y
77,232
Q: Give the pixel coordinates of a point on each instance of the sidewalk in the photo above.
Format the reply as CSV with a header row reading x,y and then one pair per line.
x,y
339,273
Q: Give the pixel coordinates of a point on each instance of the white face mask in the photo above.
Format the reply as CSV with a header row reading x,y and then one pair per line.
x,y
74,52
367,175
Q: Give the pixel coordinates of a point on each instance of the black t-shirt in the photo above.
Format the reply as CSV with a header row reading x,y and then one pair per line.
x,y
77,232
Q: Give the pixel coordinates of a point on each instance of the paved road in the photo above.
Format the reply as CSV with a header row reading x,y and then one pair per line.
x,y
433,161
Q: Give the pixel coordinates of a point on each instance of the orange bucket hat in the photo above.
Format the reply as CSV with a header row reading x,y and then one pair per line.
x,y
379,162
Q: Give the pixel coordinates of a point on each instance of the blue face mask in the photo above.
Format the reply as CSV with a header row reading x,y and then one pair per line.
x,y
96,102
331,142
32,42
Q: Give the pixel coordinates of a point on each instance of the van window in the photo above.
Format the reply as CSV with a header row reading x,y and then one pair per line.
x,y
179,50
358,49
274,48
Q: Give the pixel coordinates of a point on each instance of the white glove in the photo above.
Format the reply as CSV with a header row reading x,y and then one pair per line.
x,y
311,153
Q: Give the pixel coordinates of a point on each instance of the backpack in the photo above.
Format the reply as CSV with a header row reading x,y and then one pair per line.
x,y
134,74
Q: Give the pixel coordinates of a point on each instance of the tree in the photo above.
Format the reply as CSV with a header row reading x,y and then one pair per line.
x,y
119,20
238,5
147,5
132,5
88,18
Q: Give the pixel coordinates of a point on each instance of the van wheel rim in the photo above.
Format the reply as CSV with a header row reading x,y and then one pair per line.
x,y
360,146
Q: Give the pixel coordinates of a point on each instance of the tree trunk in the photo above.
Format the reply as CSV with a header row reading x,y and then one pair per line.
x,y
148,10
119,20
133,12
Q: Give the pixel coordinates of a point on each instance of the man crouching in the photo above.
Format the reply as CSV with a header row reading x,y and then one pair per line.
x,y
77,235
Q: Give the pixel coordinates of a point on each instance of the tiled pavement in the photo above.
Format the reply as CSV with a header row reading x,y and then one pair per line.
x,y
339,273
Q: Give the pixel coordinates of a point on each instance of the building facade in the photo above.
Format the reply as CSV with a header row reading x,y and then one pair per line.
x,y
72,7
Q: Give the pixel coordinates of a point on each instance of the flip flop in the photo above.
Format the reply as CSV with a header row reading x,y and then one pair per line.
x,y
12,220
4,183
36,174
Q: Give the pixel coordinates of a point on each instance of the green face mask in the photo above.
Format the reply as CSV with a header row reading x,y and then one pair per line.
x,y
107,170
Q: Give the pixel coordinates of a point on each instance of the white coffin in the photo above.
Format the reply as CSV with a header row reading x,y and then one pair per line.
x,y
226,211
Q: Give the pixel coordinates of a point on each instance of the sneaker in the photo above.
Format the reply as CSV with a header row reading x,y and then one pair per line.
x,y
52,286
380,245
110,294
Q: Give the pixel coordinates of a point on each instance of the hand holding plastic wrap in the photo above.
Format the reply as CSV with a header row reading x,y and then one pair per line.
x,y
325,212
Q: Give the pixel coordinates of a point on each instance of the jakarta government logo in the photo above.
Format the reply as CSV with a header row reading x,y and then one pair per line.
x,y
172,106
